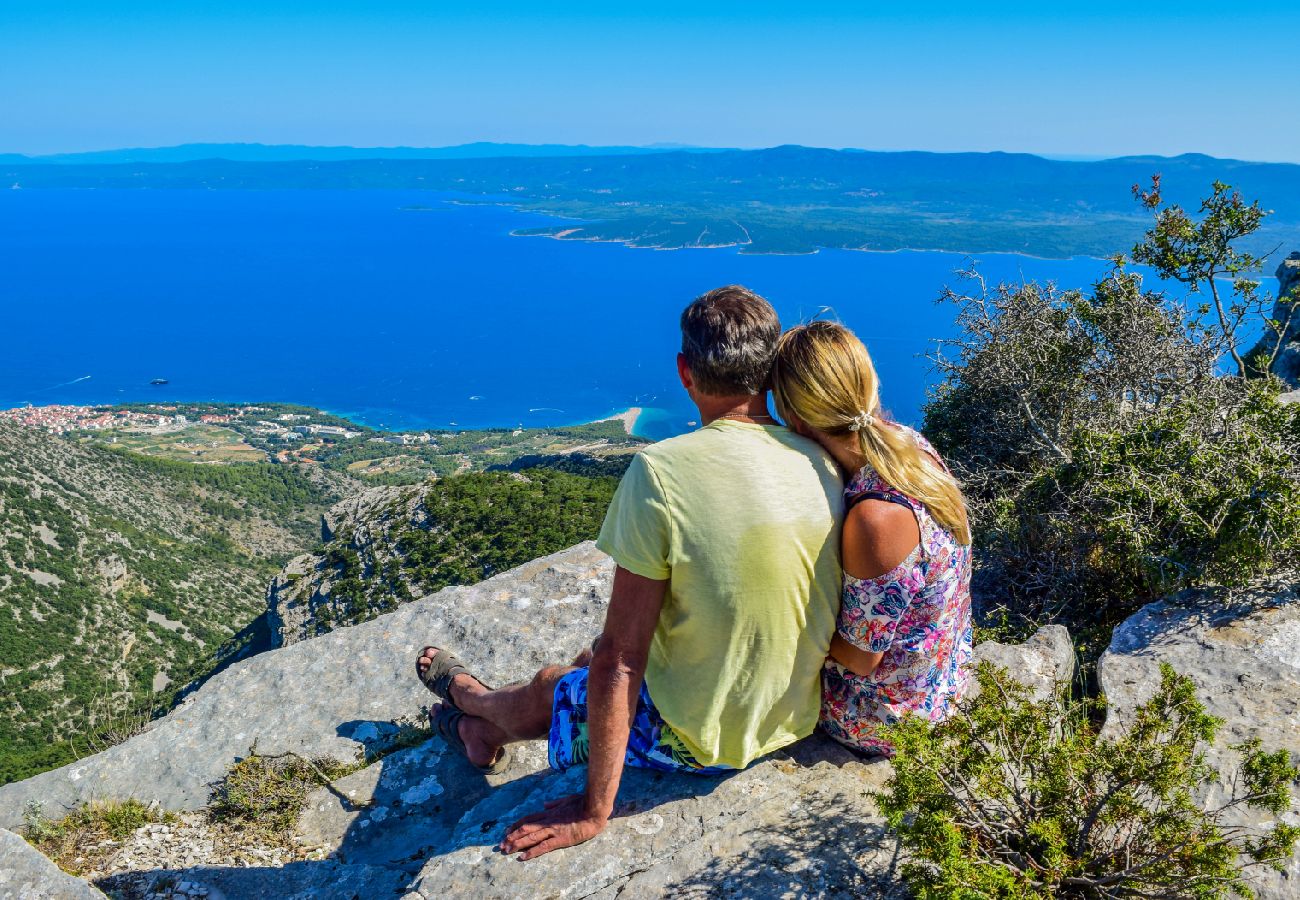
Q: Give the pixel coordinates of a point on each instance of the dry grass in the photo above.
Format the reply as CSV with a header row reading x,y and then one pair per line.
x,y
88,835
264,795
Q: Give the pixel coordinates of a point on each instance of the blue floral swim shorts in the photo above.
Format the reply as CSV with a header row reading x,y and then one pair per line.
x,y
651,744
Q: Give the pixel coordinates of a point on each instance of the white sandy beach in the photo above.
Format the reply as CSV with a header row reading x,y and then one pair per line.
x,y
628,417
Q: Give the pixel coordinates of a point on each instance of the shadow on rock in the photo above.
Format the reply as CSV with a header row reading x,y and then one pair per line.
x,y
422,822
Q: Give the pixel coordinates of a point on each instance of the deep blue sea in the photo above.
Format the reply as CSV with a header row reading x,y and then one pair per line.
x,y
409,319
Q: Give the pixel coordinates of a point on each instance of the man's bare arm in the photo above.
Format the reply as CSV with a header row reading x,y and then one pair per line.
x,y
614,682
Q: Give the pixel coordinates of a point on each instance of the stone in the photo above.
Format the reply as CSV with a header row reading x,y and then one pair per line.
x,y
299,599
1287,364
1042,661
25,874
1243,651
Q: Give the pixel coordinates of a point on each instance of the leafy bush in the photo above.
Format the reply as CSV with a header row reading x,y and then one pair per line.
x,y
1106,458
1016,798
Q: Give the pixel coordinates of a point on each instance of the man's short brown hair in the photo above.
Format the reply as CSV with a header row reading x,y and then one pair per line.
x,y
729,338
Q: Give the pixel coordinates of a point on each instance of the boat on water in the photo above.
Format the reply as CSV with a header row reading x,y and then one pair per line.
x,y
159,381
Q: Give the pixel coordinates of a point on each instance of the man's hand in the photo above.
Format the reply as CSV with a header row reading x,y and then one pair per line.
x,y
565,823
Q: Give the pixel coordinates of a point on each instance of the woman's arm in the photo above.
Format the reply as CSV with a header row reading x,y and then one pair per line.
x,y
878,536
859,662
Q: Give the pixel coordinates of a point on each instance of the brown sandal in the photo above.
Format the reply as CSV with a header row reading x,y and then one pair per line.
x,y
446,723
442,669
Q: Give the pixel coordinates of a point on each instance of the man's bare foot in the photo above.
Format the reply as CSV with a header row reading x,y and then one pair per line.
x,y
462,685
478,737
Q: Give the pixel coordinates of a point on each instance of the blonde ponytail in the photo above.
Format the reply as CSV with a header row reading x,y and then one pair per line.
x,y
824,376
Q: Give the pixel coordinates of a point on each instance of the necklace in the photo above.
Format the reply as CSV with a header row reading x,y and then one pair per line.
x,y
746,416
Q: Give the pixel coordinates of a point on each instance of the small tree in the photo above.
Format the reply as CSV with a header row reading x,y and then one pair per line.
x,y
1199,253
1106,461
1016,798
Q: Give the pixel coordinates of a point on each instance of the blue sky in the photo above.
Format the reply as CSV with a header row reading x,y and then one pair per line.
x,y
1093,79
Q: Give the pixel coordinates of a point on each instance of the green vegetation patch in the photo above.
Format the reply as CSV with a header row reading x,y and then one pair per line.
x,y
485,523
75,843
263,796
1015,798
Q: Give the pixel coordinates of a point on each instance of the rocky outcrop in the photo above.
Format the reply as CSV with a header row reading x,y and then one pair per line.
x,y
423,822
1243,651
1042,661
301,600
25,874
1287,365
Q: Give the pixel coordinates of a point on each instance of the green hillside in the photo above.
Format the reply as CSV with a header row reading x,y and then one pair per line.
x,y
122,578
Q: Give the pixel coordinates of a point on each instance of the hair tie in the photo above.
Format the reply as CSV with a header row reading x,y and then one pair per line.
x,y
862,420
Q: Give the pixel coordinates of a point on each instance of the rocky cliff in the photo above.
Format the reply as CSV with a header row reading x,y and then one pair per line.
x,y
421,822
301,600
1287,365
388,545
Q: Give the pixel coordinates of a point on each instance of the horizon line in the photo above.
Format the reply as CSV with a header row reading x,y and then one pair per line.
x,y
647,149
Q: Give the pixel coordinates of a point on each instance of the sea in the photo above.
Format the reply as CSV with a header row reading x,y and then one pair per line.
x,y
414,310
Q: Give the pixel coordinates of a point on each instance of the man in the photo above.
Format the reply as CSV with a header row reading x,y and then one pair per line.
x,y
724,602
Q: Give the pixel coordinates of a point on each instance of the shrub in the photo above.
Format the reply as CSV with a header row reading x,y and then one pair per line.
x,y
264,795
1016,798
1106,459
1133,513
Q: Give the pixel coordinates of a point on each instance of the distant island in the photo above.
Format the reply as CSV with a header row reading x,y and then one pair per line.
x,y
779,200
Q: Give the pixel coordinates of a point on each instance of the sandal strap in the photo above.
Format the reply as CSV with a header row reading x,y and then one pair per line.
x,y
447,667
446,724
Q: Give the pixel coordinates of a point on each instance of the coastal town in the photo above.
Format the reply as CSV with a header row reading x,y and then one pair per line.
x,y
163,419
224,433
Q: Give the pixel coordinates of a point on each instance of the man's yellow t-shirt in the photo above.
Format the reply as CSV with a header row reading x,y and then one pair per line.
x,y
743,521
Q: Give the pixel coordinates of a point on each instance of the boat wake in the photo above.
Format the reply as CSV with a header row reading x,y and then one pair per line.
x,y
55,387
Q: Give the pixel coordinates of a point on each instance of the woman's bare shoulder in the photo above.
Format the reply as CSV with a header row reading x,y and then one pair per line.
x,y
878,536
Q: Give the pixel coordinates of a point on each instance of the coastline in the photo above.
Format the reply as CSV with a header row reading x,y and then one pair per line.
x,y
628,417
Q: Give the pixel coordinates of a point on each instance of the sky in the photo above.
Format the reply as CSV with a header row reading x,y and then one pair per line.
x,y
1071,79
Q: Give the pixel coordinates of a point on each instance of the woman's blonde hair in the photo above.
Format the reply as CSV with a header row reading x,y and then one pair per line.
x,y
824,376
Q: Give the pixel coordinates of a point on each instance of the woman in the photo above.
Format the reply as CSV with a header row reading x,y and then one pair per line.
x,y
903,637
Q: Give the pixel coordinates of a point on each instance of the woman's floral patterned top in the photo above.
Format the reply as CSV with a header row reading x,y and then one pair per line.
x,y
919,615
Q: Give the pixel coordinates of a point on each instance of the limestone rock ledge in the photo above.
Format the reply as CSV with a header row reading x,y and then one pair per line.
x,y
1243,651
27,875
421,822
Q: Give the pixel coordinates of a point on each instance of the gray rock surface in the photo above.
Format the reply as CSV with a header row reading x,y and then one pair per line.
x,y
1287,365
25,874
1044,659
299,598
422,823
1243,651
797,824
